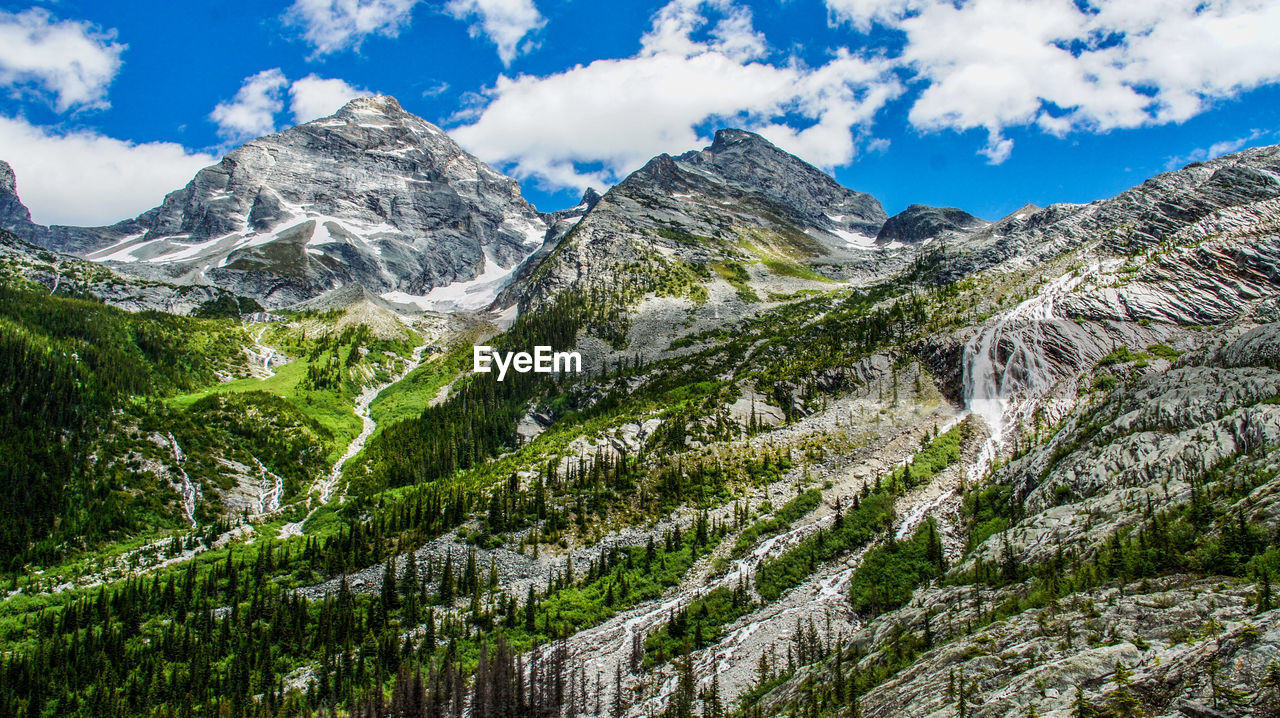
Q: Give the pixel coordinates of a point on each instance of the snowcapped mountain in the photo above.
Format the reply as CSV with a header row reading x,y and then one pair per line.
x,y
370,195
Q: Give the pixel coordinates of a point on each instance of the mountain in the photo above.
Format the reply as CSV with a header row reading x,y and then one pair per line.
x,y
740,198
820,462
16,218
1137,220
709,234
919,224
370,195
24,263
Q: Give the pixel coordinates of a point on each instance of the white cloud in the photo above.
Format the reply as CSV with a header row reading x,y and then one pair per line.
x,y
253,111
863,13
436,89
313,97
1051,64
85,178
70,60
732,35
1217,149
616,114
333,25
504,22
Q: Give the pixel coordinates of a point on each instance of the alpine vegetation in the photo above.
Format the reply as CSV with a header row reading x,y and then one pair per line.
x,y
345,427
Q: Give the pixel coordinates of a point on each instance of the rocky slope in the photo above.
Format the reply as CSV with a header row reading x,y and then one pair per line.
x,y
825,462
1007,630
920,223
739,201
58,272
1140,220
371,195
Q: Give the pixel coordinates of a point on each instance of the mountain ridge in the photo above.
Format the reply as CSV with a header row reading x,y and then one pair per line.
x,y
370,194
821,462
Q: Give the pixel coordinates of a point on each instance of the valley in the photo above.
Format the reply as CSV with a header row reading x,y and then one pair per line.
x,y
819,461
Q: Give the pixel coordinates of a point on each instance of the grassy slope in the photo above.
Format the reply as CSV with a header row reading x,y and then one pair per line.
x,y
332,409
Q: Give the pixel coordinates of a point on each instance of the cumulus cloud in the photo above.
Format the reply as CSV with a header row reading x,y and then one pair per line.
x,y
333,25
85,178
313,97
863,13
1217,149
252,113
1063,66
504,22
72,61
592,123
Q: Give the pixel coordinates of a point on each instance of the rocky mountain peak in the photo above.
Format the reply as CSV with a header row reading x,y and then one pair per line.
x,y
589,198
741,196
371,194
921,223
731,138
661,172
8,184
384,105
12,211
751,163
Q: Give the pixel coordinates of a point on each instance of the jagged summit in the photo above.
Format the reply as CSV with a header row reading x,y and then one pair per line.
x,y
729,136
921,223
377,104
590,197
739,198
371,194
755,164
661,172
12,211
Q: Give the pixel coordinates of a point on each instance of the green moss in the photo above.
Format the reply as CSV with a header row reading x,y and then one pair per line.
x,y
791,269
1164,351
737,276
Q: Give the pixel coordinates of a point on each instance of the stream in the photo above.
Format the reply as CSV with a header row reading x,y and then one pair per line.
x,y
329,485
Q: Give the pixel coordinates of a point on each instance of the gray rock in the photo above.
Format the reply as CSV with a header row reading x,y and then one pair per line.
x,y
921,223
739,200
371,194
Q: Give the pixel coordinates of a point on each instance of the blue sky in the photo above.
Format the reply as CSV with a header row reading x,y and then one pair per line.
x,y
979,104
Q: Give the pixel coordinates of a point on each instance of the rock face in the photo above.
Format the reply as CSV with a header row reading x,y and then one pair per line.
x,y
65,273
371,195
920,223
12,211
751,164
15,218
739,199
1140,219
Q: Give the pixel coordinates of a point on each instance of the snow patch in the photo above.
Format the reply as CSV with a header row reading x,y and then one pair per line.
x,y
854,239
469,295
121,251
533,232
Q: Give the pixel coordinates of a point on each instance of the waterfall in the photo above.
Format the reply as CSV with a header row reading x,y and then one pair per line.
x,y
189,490
270,490
1005,370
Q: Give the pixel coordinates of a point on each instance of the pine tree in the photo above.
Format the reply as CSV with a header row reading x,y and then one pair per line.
x,y
531,612
1264,590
